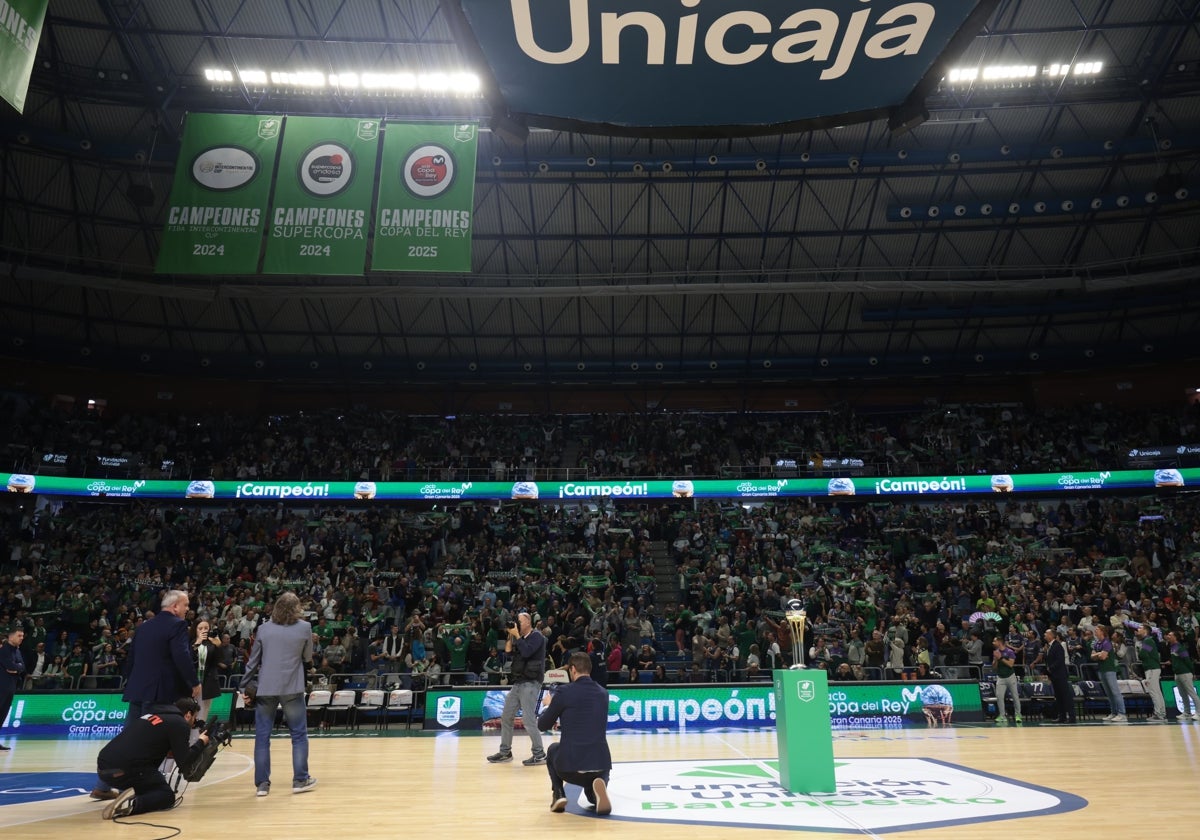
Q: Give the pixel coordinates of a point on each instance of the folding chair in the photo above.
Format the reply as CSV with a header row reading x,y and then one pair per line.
x,y
400,701
369,703
318,702
342,703
1136,697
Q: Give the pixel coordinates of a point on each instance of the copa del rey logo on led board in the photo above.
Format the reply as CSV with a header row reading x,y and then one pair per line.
x,y
879,795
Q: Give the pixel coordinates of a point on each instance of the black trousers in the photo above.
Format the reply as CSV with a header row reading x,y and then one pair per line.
x,y
150,788
558,777
6,701
1064,697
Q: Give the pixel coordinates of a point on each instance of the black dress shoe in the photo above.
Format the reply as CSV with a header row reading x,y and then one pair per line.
x,y
4,748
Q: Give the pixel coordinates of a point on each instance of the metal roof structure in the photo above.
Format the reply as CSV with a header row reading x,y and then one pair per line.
x,y
1024,227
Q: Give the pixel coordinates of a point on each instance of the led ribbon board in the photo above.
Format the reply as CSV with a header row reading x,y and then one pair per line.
x,y
733,66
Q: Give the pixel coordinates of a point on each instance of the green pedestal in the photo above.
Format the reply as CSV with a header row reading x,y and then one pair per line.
x,y
803,731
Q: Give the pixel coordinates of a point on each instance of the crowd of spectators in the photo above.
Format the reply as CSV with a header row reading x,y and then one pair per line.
x,y
427,593
74,439
684,590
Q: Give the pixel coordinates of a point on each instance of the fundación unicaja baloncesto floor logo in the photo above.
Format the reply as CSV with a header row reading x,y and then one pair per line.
x,y
879,795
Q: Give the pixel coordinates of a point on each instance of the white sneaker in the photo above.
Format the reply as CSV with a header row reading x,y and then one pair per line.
x,y
1119,719
1108,718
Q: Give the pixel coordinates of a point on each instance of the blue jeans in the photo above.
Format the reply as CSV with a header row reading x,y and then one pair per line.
x,y
1108,681
296,715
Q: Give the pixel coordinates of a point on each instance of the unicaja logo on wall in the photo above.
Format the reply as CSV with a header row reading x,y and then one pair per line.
x,y
644,64
874,795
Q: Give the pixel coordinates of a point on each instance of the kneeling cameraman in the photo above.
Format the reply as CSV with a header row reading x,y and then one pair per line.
x,y
130,761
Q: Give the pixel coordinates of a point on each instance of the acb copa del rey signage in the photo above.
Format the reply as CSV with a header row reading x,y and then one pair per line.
x,y
734,66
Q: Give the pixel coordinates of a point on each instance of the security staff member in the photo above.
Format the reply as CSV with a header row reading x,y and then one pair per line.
x,y
130,761
581,756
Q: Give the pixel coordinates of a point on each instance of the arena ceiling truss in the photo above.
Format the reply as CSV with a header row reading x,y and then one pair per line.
x,y
1024,226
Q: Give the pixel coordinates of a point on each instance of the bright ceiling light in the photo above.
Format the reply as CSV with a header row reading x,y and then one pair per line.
x,y
1022,72
402,82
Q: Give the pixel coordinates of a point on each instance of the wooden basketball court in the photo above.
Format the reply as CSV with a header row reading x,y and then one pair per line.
x,y
1122,780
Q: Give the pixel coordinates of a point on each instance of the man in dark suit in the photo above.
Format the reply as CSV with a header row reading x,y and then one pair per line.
x,y
160,661
160,665
1056,668
581,755
12,670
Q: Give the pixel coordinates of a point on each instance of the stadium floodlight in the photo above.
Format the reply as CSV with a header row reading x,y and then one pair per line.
x,y
1022,72
403,83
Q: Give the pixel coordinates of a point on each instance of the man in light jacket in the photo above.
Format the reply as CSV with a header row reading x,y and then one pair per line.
x,y
281,654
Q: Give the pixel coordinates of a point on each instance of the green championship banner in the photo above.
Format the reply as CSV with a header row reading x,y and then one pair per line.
x,y
426,198
219,196
532,492
321,211
20,29
78,715
686,708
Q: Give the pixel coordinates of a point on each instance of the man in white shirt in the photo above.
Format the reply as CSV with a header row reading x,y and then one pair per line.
x,y
38,663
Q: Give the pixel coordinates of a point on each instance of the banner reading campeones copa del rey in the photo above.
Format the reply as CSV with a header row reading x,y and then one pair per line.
x,y
20,30
597,489
315,204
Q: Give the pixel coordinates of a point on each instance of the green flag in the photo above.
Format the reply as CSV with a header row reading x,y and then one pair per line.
x,y
19,34
219,196
426,198
322,207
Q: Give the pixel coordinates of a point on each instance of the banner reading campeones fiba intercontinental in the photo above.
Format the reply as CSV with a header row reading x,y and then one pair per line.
x,y
592,490
219,196
685,708
320,219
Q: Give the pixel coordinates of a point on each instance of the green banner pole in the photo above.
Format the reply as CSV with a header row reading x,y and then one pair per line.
x,y
19,38
426,198
322,205
219,197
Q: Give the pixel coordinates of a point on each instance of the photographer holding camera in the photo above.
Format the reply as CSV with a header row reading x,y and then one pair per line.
x,y
527,647
130,761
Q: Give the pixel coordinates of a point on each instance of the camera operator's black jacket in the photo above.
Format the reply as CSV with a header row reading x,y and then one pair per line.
x,y
145,742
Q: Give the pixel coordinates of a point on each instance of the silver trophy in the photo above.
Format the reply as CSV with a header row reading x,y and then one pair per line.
x,y
796,619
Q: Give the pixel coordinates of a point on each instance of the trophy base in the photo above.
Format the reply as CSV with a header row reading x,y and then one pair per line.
x,y
798,668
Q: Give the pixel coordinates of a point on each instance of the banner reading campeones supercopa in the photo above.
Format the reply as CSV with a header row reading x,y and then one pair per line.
x,y
219,196
321,211
426,198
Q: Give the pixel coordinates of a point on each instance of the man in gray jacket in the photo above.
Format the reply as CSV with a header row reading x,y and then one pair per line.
x,y
281,653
